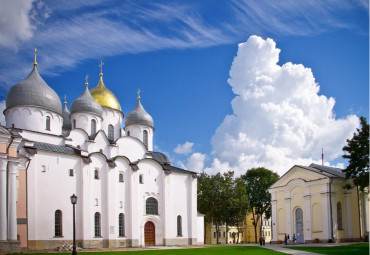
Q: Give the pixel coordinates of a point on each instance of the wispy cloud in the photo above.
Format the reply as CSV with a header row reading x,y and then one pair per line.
x,y
185,148
69,34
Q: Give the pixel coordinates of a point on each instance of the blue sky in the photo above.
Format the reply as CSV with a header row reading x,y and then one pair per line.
x,y
181,55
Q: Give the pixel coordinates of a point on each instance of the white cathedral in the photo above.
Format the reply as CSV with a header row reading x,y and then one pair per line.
x,y
128,195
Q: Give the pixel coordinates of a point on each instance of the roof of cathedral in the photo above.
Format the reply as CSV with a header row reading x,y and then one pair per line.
x,y
86,103
33,91
327,171
138,116
104,96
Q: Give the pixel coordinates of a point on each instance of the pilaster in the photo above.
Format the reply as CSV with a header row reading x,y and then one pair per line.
x,y
12,201
307,216
3,199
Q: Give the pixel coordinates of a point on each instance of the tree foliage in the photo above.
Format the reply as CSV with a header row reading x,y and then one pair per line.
x,y
357,152
257,181
222,199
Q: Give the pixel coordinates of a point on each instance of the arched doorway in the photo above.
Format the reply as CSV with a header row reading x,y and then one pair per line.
x,y
149,232
299,225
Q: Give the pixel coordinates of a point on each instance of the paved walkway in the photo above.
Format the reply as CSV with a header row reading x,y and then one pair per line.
x,y
281,248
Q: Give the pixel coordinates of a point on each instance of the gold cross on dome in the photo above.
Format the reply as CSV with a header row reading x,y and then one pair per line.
x,y
35,62
138,93
101,66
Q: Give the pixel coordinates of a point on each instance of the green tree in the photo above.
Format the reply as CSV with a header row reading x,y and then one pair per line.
x,y
222,199
257,181
211,200
357,153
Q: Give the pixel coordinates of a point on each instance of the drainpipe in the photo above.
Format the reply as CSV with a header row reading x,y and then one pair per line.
x,y
331,212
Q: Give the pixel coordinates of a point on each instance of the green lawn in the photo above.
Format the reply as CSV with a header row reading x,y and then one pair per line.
x,y
235,250
353,249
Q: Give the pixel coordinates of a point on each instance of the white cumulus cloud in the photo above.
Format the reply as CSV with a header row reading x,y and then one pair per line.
x,y
279,118
185,148
196,162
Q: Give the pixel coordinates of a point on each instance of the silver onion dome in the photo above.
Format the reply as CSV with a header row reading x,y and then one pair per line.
x,y
33,91
86,103
139,116
66,118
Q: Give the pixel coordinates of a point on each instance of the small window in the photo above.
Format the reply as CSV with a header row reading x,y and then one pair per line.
x,y
93,127
179,226
96,174
71,172
219,234
145,138
110,133
152,206
47,123
128,133
224,234
58,223
120,177
121,225
97,225
214,234
141,179
74,123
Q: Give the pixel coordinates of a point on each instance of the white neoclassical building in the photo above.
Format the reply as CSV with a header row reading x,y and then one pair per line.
x,y
310,202
128,195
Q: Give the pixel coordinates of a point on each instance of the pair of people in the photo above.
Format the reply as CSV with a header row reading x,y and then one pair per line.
x,y
287,238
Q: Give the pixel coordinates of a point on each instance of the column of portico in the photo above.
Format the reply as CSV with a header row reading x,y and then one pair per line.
x,y
325,216
347,215
288,215
274,221
12,201
307,216
3,218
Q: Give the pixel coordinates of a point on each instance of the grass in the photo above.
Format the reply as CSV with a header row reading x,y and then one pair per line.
x,y
354,249
235,250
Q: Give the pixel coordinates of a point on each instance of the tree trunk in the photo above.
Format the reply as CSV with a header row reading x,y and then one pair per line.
x,y
217,231
227,236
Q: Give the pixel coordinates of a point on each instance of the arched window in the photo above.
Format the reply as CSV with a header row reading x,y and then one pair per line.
x,y
145,138
152,206
93,127
97,226
96,174
47,123
58,223
110,133
120,177
128,133
339,216
121,224
179,226
74,123
141,179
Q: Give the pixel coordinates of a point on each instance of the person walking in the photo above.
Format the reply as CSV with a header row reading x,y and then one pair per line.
x,y
286,239
261,240
294,238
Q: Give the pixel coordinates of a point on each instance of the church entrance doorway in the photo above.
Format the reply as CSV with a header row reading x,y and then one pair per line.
x,y
149,232
299,225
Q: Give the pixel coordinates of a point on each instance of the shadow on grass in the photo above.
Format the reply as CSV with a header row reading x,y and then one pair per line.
x,y
353,249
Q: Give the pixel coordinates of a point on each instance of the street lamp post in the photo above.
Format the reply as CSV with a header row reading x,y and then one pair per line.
x,y
74,202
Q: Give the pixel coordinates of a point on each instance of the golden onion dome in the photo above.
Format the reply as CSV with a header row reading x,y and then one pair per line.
x,y
104,96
